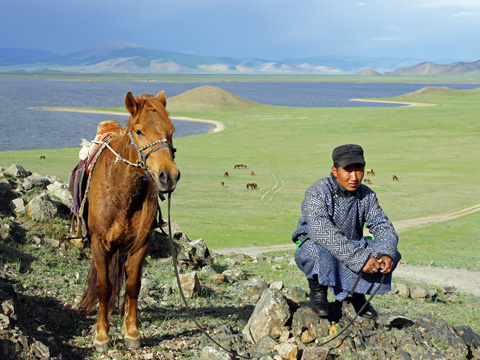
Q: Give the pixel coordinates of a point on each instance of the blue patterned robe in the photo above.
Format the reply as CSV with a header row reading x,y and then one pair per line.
x,y
331,232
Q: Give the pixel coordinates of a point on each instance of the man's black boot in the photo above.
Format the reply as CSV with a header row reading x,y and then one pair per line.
x,y
358,300
318,298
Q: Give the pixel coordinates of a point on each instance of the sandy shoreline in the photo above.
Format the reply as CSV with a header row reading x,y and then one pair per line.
x,y
394,102
218,125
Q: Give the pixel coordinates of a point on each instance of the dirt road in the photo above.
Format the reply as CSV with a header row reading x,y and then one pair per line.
x,y
466,281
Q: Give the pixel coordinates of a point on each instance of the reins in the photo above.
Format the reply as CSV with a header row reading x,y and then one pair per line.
x,y
175,266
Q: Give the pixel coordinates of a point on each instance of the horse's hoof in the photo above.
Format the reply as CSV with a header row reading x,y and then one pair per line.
x,y
101,348
133,343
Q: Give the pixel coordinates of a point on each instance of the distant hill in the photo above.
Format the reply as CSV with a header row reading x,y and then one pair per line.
x,y
368,72
123,57
208,96
430,68
13,56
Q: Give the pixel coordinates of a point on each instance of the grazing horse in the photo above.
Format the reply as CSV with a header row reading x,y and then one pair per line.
x,y
252,173
370,172
122,203
226,174
367,181
252,186
394,177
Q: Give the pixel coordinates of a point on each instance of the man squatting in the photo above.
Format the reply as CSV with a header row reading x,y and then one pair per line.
x,y
331,249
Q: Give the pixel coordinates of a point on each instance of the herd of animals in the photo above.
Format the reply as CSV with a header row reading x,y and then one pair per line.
x,y
253,186
371,172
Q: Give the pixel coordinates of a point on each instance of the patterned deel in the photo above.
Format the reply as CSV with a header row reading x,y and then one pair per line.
x,y
333,246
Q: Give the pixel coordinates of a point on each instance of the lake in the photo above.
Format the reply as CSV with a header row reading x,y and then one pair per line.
x,y
27,129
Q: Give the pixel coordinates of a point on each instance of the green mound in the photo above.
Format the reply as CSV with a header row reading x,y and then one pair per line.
x,y
209,96
432,91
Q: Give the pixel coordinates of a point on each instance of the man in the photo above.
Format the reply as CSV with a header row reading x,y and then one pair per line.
x,y
331,249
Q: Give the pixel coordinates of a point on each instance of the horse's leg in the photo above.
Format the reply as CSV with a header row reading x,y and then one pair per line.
x,y
104,289
133,269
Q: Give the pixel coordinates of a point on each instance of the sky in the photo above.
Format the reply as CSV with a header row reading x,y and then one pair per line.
x,y
266,29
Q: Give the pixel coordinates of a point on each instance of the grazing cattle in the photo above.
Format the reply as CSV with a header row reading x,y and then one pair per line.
x,y
253,173
370,172
251,186
367,181
226,174
42,157
222,183
394,177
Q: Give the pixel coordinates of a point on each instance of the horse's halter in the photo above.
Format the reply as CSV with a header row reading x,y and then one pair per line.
x,y
142,162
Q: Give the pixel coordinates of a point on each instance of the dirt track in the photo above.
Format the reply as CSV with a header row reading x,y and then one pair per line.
x,y
466,281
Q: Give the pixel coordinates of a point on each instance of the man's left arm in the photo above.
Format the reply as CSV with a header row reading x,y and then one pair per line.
x,y
384,234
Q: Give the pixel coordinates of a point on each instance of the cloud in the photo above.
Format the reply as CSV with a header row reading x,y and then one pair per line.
x,y
464,4
387,39
464,14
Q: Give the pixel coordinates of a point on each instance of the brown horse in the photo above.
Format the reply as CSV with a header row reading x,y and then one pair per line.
x,y
122,203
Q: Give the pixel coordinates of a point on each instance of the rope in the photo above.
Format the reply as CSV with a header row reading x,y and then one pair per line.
x,y
189,312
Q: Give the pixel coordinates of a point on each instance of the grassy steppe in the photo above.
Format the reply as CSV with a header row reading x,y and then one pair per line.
x,y
433,151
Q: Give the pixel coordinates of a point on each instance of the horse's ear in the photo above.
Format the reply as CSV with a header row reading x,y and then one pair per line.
x,y
130,103
161,96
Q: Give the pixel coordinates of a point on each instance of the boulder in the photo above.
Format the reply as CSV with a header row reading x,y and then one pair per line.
x,y
270,313
17,170
42,208
60,191
35,181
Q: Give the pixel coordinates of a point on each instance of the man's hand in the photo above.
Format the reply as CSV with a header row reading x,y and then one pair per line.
x,y
384,265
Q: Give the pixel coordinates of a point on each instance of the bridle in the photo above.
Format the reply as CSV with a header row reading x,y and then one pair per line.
x,y
142,162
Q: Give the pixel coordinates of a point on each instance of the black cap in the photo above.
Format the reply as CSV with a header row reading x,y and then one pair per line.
x,y
349,154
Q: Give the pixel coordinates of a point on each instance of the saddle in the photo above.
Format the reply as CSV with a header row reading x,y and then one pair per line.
x,y
79,183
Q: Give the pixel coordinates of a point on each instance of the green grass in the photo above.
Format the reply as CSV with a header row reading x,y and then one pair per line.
x,y
431,150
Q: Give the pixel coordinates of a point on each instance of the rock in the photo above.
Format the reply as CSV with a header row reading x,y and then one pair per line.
x,y
197,252
288,351
42,208
18,206
234,275
403,289
453,298
60,191
271,312
17,171
316,353
5,186
40,350
418,292
189,282
448,290
277,285
210,353
35,181
259,282
263,346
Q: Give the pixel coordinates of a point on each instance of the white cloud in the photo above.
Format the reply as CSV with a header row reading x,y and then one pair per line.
x,y
464,14
459,4
387,39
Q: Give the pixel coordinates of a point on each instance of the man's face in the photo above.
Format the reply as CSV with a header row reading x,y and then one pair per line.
x,y
351,177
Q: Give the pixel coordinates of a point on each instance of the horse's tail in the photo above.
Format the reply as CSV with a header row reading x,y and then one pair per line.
x,y
116,276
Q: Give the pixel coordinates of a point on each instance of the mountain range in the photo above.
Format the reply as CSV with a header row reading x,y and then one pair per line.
x,y
123,57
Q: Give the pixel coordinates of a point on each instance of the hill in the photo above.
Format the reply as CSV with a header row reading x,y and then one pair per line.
x,y
430,68
209,96
124,57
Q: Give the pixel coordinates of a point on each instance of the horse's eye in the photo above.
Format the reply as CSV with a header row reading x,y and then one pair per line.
x,y
139,133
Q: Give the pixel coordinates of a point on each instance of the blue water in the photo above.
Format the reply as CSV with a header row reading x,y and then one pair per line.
x,y
24,129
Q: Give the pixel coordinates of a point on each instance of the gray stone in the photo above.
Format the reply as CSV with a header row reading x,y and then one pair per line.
x,y
40,350
18,206
5,186
35,181
270,313
42,208
60,191
210,353
263,346
259,282
189,282
17,170
234,275
277,285
403,289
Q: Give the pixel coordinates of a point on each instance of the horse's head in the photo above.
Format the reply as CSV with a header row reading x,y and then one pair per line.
x,y
150,131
